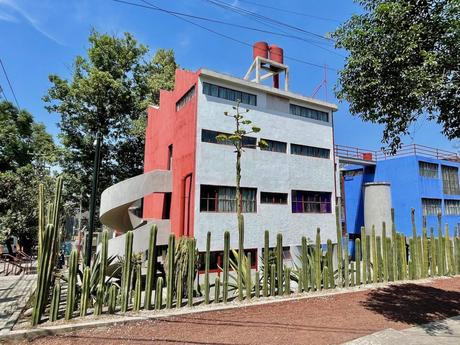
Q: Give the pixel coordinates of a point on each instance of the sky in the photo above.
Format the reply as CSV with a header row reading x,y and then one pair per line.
x,y
38,38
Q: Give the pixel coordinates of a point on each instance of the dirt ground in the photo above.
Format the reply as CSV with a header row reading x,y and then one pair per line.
x,y
322,320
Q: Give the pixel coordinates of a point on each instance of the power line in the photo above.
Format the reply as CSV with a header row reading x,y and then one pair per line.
x,y
151,6
9,83
282,34
251,14
290,11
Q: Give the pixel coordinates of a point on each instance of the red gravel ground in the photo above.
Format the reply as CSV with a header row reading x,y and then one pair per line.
x,y
322,320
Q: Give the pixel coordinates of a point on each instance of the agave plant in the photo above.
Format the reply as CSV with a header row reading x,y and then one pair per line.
x,y
248,283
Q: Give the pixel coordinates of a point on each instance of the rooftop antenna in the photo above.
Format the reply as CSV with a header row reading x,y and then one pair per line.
x,y
322,84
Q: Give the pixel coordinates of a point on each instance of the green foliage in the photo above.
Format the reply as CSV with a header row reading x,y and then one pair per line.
x,y
112,300
358,261
318,256
159,294
191,271
347,263
55,300
365,255
402,64
108,91
338,228
226,265
266,255
206,269
137,288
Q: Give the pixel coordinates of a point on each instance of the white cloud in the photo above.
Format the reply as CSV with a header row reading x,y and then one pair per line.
x,y
20,12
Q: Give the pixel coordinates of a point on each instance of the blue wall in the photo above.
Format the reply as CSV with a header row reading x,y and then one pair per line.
x,y
407,190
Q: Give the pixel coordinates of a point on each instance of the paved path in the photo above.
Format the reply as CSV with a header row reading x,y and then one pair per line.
x,y
14,294
444,332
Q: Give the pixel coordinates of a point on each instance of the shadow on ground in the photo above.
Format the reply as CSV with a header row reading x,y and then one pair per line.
x,y
415,305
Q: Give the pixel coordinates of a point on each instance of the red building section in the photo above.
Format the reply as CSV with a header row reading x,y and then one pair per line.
x,y
170,144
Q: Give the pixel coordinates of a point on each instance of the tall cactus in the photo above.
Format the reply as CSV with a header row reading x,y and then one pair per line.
x,y
331,281
457,254
403,257
151,267
375,266
414,252
339,246
112,300
318,255
191,272
279,263
364,254
257,285
216,290
72,285
127,270
100,291
358,261
159,294
385,252
137,288
347,263
248,278
272,280
352,270
55,300
412,262
379,270
179,291
425,258
287,279
85,291
266,264
48,246
206,267
240,256
433,254
394,247
226,266
441,249
325,277
449,254
170,273
368,251
303,278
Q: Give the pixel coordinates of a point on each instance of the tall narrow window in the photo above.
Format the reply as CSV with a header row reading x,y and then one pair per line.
x,y
452,207
450,180
223,199
431,207
311,202
429,170
170,156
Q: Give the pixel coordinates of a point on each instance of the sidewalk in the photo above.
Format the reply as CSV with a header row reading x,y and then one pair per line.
x,y
444,332
14,294
332,317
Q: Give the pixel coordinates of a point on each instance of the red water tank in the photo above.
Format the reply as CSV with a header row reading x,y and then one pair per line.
x,y
276,53
260,49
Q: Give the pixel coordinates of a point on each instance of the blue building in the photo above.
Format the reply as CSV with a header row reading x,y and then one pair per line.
x,y
421,178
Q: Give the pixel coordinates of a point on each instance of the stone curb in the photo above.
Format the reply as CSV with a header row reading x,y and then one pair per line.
x,y
47,330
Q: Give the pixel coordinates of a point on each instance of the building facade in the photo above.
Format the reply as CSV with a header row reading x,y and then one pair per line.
x,y
421,178
287,188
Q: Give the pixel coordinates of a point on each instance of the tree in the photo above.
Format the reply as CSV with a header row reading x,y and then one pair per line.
x,y
108,92
25,149
243,127
403,64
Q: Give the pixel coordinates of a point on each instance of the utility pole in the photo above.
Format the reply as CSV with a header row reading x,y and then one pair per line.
x,y
92,205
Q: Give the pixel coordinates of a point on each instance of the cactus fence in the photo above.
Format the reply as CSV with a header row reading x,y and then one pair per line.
x,y
390,257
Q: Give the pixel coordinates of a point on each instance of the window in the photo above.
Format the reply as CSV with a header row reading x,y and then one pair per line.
x,y
311,202
229,94
275,146
223,199
310,113
450,180
452,207
429,170
310,151
273,198
431,207
208,136
170,156
185,98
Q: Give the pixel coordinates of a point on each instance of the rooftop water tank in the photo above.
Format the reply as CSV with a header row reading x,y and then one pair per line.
x,y
260,49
